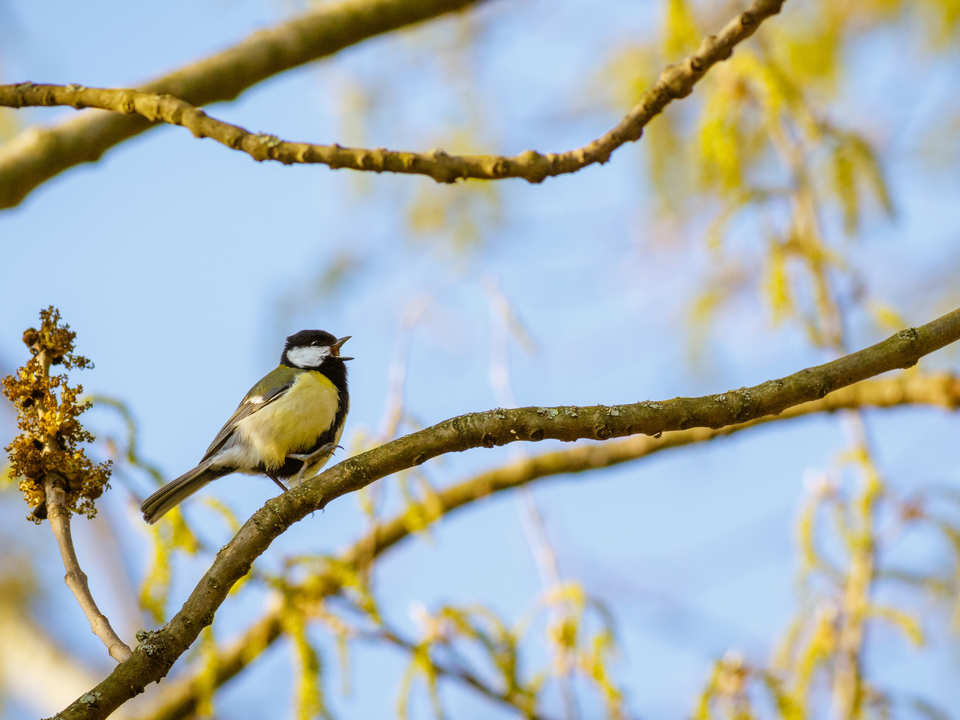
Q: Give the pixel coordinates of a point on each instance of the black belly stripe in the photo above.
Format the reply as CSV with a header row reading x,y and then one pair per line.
x,y
337,374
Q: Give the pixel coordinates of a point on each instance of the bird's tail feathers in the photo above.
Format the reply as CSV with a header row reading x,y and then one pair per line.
x,y
176,491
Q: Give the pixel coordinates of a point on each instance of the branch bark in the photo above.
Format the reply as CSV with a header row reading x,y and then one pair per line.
x,y
676,81
179,701
159,650
38,154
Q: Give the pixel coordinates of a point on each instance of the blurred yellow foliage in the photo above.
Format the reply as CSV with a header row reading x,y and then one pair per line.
x,y
680,34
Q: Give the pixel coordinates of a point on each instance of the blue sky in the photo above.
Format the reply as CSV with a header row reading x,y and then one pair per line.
x,y
182,266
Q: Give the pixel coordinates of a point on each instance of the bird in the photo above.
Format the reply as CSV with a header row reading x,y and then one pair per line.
x,y
288,425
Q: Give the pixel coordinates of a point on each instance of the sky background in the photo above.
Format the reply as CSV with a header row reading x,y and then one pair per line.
x,y
182,266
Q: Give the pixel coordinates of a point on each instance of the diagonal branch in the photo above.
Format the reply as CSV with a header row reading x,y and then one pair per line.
x,y
179,701
159,650
676,81
38,154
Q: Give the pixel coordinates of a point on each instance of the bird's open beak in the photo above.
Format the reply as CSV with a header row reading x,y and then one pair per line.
x,y
335,348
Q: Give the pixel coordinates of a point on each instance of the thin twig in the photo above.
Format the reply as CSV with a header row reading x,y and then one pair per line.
x,y
397,372
59,518
76,579
393,412
857,581
847,686
675,82
530,518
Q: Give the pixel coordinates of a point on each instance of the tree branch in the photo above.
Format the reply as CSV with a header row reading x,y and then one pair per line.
x,y
676,81
159,650
58,515
940,390
38,154
76,579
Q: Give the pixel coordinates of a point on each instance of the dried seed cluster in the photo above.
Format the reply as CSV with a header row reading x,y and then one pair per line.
x,y
47,411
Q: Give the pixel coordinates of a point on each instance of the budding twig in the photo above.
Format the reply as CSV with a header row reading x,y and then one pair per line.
x,y
56,476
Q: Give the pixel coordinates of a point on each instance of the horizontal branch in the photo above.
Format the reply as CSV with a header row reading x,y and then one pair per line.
x,y
38,154
159,650
677,81
179,701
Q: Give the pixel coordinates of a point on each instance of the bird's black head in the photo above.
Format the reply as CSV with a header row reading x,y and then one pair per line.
x,y
310,349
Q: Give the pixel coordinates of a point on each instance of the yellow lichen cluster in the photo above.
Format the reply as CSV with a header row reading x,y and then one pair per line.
x,y
47,412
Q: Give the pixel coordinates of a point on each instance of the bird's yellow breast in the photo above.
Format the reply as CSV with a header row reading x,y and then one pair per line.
x,y
294,422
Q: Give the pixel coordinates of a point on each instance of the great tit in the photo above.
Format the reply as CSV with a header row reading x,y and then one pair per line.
x,y
288,424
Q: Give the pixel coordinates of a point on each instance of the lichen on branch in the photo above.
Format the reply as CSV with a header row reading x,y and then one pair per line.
x,y
51,436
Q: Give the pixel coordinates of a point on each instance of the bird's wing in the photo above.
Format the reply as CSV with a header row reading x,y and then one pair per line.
x,y
257,399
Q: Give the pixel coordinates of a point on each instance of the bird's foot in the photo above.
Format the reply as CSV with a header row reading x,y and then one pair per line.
x,y
310,458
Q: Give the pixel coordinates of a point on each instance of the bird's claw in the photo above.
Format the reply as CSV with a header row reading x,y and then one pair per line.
x,y
310,458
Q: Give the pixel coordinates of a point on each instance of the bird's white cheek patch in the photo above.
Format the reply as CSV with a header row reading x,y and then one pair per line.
x,y
308,356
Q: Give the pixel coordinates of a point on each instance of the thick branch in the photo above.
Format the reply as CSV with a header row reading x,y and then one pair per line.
x,y
159,650
676,81
39,154
941,390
